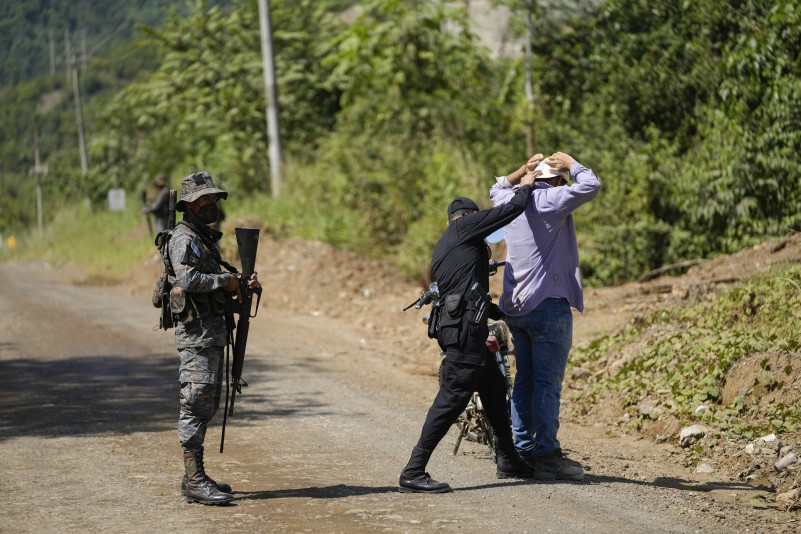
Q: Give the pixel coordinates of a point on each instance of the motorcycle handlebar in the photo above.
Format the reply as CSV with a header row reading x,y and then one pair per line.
x,y
424,299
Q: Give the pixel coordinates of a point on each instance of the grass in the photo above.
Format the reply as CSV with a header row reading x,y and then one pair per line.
x,y
106,245
103,244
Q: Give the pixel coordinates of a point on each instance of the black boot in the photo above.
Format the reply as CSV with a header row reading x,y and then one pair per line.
x,y
509,463
414,479
199,488
225,488
555,466
511,466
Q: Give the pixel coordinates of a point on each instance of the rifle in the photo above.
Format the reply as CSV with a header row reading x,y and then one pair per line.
x,y
147,215
247,239
161,293
173,202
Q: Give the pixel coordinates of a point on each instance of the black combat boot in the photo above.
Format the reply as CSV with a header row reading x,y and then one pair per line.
x,y
225,488
555,466
414,479
509,463
199,488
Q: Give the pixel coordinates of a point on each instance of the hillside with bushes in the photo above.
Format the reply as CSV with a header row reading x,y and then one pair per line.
x,y
686,111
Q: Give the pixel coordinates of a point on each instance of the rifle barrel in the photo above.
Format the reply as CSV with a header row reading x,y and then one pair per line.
x,y
173,202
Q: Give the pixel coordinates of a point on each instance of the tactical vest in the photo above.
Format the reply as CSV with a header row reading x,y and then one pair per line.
x,y
187,306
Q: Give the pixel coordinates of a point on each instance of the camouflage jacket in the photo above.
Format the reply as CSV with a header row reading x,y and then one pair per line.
x,y
197,298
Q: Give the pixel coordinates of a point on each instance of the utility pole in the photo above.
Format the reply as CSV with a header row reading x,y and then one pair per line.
x,y
52,55
529,91
67,55
83,49
39,171
270,96
76,89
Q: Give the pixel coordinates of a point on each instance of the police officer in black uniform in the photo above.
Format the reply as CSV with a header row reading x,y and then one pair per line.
x,y
460,262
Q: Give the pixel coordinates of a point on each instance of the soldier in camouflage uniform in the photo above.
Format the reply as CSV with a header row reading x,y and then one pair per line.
x,y
200,290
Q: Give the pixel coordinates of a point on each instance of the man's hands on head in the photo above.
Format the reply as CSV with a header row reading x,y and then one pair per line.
x,y
531,175
526,175
560,161
533,161
515,177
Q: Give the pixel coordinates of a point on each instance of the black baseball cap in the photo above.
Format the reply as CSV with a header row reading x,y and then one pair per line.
x,y
461,203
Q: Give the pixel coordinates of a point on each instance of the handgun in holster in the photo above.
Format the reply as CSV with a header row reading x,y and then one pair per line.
x,y
478,303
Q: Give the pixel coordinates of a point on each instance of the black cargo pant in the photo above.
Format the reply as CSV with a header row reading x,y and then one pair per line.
x,y
459,381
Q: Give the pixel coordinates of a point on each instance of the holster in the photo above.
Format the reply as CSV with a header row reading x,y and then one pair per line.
x,y
478,304
433,320
166,318
453,329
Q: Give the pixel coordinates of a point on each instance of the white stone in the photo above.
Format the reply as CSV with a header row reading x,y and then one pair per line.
x,y
789,496
770,442
691,434
648,407
786,461
704,468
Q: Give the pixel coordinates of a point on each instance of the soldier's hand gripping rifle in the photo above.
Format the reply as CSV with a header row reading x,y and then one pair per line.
x,y
247,239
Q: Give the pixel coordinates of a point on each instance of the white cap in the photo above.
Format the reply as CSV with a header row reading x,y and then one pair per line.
x,y
548,173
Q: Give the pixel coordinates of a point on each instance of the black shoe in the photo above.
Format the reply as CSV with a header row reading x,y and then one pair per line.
x,y
205,492
225,488
199,487
422,484
554,466
513,467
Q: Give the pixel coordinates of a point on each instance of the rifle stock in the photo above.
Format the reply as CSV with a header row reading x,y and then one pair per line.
x,y
247,240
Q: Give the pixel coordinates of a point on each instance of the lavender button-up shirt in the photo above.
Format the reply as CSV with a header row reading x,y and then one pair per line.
x,y
542,254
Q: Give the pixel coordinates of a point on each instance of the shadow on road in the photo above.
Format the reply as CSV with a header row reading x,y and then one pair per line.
x,y
328,492
343,490
90,395
674,483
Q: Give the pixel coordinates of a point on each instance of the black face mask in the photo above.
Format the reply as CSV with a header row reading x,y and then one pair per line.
x,y
209,213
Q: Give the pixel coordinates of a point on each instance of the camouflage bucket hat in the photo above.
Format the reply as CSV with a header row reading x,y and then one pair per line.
x,y
195,186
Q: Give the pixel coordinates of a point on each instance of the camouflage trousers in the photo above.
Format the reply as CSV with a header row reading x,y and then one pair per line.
x,y
201,378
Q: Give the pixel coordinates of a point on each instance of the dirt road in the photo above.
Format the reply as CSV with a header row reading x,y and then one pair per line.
x,y
88,411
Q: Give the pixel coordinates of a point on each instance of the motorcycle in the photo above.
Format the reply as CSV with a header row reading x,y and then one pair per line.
x,y
473,423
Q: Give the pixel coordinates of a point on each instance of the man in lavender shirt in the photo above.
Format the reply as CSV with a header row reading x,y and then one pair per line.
x,y
541,283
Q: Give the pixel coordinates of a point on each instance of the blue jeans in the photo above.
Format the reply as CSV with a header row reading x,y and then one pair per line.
x,y
542,341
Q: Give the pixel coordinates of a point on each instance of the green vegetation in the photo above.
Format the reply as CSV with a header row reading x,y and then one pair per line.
x,y
26,28
682,358
686,110
106,245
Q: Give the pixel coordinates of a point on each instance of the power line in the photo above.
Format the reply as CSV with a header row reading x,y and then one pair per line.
x,y
114,30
